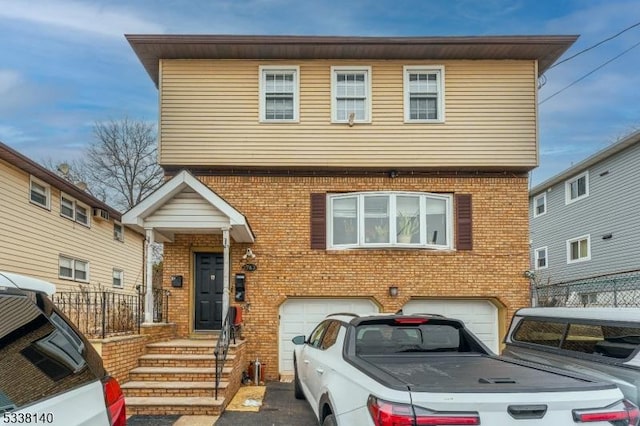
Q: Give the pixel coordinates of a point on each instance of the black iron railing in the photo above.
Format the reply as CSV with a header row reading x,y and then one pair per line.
x,y
160,305
100,314
227,333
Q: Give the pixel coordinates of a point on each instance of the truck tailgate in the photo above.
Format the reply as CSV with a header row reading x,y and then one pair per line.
x,y
503,392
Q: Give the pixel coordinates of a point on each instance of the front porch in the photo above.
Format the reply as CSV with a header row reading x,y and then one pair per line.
x,y
199,369
198,228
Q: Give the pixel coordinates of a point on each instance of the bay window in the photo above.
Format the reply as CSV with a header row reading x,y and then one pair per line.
x,y
388,219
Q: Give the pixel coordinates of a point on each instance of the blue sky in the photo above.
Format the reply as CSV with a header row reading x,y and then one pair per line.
x,y
65,64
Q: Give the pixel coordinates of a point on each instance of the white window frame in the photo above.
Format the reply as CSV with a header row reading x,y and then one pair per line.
x,y
295,71
535,205
578,239
393,239
87,214
47,192
567,187
65,197
119,237
121,272
73,268
424,69
335,70
74,205
537,257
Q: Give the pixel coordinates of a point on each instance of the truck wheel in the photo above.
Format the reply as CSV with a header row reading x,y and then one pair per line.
x,y
330,420
297,389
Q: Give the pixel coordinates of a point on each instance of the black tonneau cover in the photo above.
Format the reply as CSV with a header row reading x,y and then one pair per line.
x,y
468,372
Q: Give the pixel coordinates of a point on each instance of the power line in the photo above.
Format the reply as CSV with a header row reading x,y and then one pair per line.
x,y
595,45
589,73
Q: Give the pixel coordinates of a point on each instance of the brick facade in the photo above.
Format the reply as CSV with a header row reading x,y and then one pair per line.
x,y
277,209
120,354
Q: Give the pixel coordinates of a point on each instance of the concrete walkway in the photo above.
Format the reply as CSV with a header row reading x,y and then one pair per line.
x,y
279,408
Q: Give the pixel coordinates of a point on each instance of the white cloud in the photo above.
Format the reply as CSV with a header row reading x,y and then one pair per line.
x,y
77,16
8,80
13,135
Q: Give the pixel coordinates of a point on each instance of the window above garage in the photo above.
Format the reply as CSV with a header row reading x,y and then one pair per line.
x,y
389,219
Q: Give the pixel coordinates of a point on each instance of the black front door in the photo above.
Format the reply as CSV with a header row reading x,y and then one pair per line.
x,y
209,289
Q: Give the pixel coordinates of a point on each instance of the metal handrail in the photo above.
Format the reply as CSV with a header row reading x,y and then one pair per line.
x,y
227,333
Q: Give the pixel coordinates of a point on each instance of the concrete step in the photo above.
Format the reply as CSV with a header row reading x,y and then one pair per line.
x,y
202,406
183,346
181,360
173,389
176,374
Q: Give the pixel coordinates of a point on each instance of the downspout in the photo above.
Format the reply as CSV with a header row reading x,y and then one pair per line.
x,y
148,297
225,272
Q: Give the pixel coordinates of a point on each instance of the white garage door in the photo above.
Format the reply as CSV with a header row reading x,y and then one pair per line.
x,y
480,316
300,316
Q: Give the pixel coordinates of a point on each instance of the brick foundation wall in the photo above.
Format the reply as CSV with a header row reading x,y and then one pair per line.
x,y
120,354
277,209
158,332
240,364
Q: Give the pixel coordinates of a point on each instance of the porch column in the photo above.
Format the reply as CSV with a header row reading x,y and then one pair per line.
x,y
225,272
148,297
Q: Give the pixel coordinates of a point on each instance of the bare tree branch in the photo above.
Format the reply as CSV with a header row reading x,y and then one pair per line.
x,y
119,166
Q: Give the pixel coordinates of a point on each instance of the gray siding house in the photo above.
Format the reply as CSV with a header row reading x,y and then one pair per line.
x,y
585,230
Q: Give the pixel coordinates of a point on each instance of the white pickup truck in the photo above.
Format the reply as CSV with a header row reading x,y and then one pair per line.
x,y
386,370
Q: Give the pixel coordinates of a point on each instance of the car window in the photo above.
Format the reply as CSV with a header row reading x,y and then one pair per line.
x,y
604,340
316,334
388,338
545,333
331,335
38,357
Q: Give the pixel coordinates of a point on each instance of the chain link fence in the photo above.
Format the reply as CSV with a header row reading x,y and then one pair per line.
x,y
619,290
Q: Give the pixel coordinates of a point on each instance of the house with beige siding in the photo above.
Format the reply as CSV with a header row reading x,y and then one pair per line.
x,y
309,175
53,230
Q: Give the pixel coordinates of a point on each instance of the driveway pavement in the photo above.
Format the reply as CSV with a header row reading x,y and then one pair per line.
x,y
279,408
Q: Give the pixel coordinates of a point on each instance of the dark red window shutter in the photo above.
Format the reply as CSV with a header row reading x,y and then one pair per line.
x,y
318,221
464,228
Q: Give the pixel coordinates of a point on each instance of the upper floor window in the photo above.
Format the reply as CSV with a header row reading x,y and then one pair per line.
x,y
579,249
74,210
39,193
351,94
380,219
118,278
423,94
118,231
541,258
540,205
577,188
279,93
73,269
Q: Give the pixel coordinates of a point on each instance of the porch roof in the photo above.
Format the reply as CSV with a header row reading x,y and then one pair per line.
x,y
184,205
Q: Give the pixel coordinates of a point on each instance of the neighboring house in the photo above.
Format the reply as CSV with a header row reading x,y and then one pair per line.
x,y
53,230
309,175
585,232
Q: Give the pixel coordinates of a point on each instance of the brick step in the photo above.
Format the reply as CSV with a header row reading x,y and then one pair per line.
x,y
180,360
173,389
176,374
200,406
184,347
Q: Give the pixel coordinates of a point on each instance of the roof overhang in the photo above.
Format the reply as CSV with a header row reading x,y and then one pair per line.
x,y
27,165
239,228
545,49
